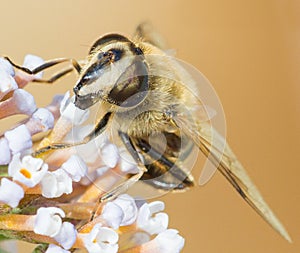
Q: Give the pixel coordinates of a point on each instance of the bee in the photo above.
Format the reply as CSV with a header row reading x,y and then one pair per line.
x,y
144,93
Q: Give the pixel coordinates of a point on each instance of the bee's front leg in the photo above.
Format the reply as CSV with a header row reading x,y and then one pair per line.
x,y
98,129
46,65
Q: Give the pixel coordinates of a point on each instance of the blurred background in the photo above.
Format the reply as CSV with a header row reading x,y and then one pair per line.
x,y
249,50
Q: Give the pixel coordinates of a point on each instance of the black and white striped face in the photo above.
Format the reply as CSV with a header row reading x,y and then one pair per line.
x,y
116,73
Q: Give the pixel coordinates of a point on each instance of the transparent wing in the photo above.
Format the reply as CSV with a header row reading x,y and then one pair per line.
x,y
191,115
214,146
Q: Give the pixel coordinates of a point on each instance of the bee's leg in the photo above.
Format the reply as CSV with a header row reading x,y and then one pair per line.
x,y
46,65
122,187
130,181
157,173
55,77
116,192
99,128
55,146
162,184
162,180
134,178
130,147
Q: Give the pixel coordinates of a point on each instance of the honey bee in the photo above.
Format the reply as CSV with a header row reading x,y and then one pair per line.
x,y
147,97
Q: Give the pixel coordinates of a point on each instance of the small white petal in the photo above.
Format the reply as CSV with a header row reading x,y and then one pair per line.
x,y
6,66
48,221
101,239
113,215
64,182
158,223
5,156
25,101
56,249
130,210
29,161
110,155
33,61
127,163
169,241
14,165
19,139
75,167
156,206
67,235
49,185
10,192
7,82
69,111
45,117
150,221
29,171
54,184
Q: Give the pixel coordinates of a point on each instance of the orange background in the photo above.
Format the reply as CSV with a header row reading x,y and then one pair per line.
x,y
249,50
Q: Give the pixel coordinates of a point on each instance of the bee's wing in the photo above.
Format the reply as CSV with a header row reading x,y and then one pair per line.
x,y
148,33
211,143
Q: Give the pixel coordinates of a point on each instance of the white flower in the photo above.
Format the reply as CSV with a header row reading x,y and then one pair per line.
x,y
101,239
56,249
5,156
6,66
45,117
113,215
120,212
110,155
150,218
24,101
7,82
169,241
127,163
75,167
29,171
19,139
41,121
69,111
48,221
54,184
33,61
10,192
67,235
130,210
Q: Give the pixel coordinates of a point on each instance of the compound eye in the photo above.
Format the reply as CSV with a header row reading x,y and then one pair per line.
x,y
132,86
115,54
106,39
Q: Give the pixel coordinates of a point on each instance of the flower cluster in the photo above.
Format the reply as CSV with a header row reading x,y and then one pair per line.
x,y
51,197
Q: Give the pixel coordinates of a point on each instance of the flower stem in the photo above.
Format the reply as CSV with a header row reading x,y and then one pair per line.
x,y
17,222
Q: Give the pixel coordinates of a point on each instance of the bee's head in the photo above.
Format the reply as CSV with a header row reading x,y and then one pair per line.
x,y
116,72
